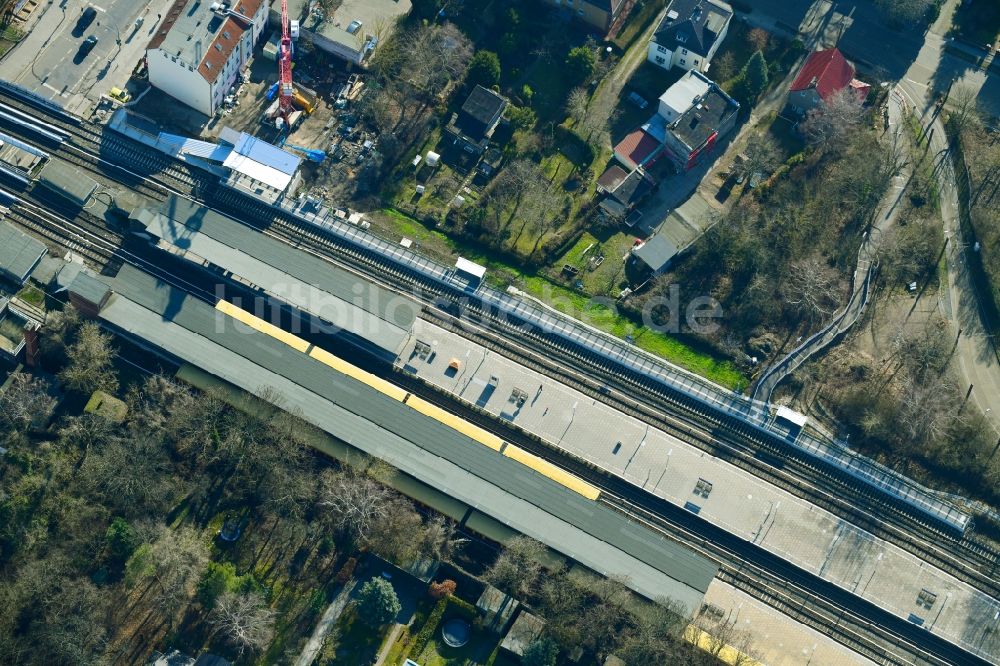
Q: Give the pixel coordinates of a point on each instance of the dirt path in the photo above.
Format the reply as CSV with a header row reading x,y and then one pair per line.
x,y
326,623
389,642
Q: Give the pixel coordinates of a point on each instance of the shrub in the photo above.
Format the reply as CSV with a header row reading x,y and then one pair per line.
x,y
443,589
580,63
377,602
426,631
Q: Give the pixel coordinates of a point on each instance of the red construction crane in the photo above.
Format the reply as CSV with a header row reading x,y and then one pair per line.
x,y
285,88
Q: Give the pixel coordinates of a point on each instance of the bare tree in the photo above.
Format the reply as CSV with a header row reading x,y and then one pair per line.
x,y
245,620
903,12
173,562
576,105
26,402
131,472
518,567
964,109
833,121
439,539
925,413
758,39
90,360
760,158
811,286
924,351
354,503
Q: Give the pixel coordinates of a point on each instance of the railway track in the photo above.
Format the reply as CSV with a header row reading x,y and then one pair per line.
x,y
707,438
717,436
706,433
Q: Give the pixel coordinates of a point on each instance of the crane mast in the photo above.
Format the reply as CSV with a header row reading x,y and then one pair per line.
x,y
285,89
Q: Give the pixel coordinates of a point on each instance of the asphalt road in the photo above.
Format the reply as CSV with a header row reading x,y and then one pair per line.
x,y
48,60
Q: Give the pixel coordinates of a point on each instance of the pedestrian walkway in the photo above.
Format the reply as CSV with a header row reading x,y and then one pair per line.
x,y
864,270
326,624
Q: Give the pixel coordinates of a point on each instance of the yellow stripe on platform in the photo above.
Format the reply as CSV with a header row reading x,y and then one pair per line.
x,y
484,437
262,326
354,372
557,474
703,640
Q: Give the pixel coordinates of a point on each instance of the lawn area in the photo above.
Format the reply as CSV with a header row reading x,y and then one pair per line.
x,y
391,223
642,15
603,317
597,276
977,22
476,651
32,296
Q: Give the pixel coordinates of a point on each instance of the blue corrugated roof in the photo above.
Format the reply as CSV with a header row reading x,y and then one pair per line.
x,y
266,153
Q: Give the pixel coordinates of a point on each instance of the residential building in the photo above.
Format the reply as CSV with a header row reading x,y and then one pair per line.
x,y
692,115
351,32
605,16
823,74
200,49
472,127
690,34
622,190
696,131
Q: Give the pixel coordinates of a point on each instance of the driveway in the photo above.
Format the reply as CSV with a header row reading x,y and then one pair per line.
x,y
47,61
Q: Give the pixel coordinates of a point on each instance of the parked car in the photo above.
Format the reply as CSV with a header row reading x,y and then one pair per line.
x,y
638,100
82,23
119,95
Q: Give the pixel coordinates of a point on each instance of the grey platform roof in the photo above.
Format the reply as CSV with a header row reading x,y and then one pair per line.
x,y
67,181
19,252
293,276
89,288
587,531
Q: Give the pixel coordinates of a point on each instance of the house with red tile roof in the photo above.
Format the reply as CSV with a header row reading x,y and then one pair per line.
x,y
200,48
823,74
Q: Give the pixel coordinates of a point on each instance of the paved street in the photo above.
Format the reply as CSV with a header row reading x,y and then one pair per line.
x,y
918,60
47,61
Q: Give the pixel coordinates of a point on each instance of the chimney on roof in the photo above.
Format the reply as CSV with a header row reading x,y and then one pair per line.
x,y
813,82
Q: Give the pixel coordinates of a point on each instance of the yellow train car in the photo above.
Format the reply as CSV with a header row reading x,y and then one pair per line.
x,y
262,326
557,474
454,422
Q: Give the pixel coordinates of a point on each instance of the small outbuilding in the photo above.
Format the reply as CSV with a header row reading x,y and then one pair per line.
x,y
655,253
497,608
527,628
88,294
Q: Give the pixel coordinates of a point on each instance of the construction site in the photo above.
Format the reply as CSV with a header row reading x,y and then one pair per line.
x,y
289,93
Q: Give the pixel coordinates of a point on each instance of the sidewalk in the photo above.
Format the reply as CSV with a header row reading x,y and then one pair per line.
x,y
326,623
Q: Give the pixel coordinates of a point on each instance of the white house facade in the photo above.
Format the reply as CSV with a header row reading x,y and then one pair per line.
x,y
200,48
690,34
